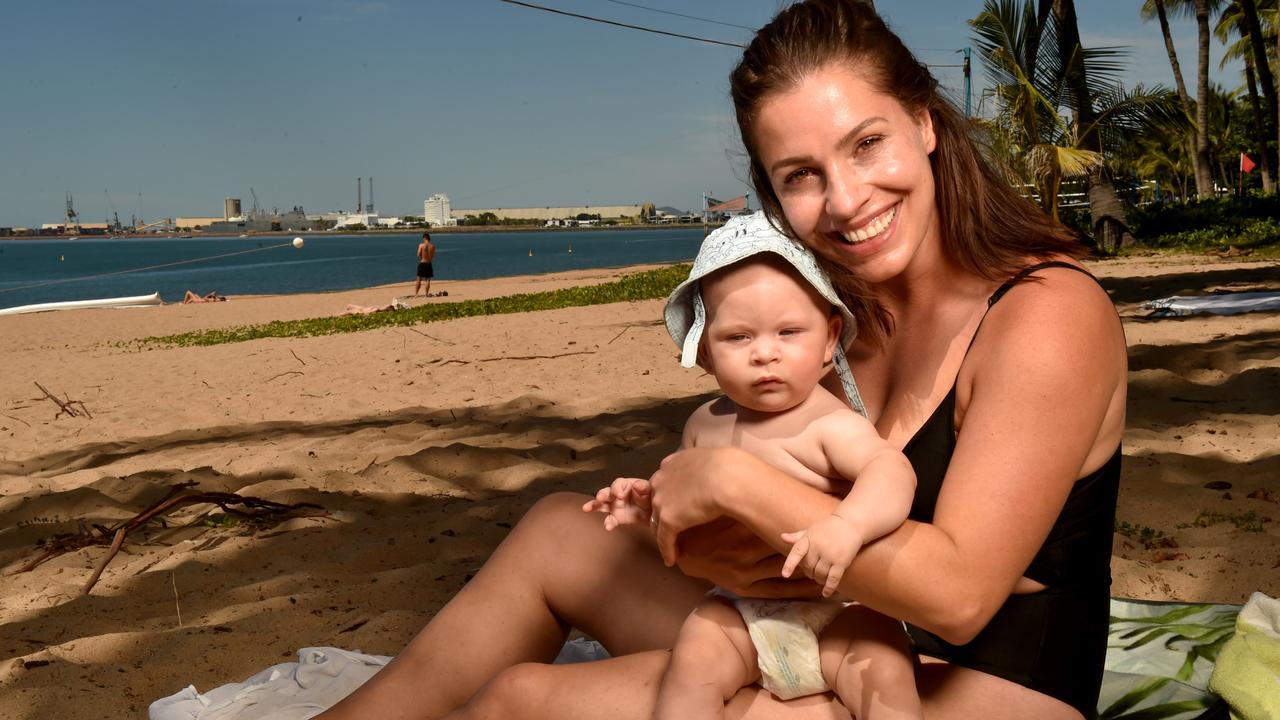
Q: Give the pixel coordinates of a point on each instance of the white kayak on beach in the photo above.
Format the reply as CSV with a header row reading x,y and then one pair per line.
x,y
131,301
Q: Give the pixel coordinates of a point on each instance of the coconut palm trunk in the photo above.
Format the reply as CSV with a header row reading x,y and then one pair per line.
x,y
1161,12
1265,79
1204,185
1260,129
1106,213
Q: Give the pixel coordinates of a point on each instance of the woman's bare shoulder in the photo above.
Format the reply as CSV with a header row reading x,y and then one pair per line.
x,y
1055,308
1052,342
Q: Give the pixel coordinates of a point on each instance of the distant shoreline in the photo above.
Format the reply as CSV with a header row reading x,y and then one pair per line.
x,y
450,229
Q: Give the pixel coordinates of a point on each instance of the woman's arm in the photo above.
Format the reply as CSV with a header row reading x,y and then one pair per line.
x,y
1042,394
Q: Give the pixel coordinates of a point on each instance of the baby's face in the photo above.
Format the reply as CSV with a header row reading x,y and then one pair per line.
x,y
769,335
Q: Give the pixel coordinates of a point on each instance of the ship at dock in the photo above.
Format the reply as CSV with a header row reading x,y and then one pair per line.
x,y
237,222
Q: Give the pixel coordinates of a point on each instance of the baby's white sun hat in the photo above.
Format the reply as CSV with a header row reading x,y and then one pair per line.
x,y
739,239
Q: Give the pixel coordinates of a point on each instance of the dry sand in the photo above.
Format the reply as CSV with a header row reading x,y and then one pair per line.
x,y
426,444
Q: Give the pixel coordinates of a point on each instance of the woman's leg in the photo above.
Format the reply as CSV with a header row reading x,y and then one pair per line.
x,y
712,660
557,569
867,661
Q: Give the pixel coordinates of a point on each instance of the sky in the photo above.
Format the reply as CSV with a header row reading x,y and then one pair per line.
x,y
161,108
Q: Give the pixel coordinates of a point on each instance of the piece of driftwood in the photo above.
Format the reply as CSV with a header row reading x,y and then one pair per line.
x,y
67,406
176,498
287,372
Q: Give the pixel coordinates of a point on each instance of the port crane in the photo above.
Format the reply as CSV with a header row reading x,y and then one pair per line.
x,y
114,223
72,220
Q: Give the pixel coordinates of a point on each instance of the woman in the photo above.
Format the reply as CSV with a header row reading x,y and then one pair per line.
x,y
1003,384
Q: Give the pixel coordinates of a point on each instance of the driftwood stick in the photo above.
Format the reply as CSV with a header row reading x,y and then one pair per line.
x,y
425,335
65,406
620,334
295,357
174,499
24,422
536,357
290,372
115,548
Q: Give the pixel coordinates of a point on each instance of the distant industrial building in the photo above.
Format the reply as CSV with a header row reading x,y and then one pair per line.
x,y
231,208
77,228
436,211
606,212
195,223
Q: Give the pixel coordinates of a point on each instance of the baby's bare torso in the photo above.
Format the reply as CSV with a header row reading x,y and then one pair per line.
x,y
791,441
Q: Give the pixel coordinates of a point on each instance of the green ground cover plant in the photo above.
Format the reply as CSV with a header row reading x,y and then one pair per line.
x,y
647,285
1249,521
1148,537
1246,223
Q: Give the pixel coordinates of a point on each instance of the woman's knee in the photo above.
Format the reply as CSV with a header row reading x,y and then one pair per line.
x,y
557,524
512,692
552,520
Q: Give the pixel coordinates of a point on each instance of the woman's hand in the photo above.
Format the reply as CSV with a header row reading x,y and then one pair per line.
x,y
684,493
728,554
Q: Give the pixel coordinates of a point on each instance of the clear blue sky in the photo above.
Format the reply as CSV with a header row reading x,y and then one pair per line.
x,y
185,103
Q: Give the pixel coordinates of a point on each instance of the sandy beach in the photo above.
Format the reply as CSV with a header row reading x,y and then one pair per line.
x,y
424,445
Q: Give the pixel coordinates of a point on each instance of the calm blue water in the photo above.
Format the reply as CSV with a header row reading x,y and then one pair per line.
x,y
327,262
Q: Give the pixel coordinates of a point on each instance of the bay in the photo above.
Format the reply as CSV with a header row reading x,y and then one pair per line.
x,y
36,271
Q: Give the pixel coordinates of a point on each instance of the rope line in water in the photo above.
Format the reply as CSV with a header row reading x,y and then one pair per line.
x,y
63,281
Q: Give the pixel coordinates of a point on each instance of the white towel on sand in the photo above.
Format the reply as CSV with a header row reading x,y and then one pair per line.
x,y
288,691
299,690
1225,304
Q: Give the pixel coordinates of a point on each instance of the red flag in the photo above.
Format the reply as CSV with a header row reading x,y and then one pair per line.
x,y
1246,165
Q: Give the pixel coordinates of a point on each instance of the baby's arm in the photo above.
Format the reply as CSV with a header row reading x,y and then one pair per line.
x,y
883,486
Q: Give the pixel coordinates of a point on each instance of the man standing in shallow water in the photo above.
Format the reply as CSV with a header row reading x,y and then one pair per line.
x,y
426,253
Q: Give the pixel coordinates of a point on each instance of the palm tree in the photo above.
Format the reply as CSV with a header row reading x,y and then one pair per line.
x,y
1257,43
1027,123
1034,85
1106,214
1168,164
1200,10
1232,18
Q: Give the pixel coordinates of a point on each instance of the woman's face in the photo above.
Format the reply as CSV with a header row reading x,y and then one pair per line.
x,y
851,168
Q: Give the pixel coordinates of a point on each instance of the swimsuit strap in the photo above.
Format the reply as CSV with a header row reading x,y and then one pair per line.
x,y
1024,272
1014,281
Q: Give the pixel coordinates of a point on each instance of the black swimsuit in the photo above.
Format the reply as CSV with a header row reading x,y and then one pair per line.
x,y
1053,641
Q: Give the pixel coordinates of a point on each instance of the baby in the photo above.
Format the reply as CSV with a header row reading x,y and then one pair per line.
x,y
759,315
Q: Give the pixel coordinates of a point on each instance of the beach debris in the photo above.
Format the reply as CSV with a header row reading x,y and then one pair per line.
x,y
243,506
533,357
67,406
1217,485
1265,495
280,375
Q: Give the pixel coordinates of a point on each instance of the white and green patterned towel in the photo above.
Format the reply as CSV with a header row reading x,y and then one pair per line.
x,y
1159,659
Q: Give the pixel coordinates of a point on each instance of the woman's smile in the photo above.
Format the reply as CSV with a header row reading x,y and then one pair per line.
x,y
850,167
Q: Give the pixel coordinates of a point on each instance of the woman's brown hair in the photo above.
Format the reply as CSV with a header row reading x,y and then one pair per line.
x,y
987,227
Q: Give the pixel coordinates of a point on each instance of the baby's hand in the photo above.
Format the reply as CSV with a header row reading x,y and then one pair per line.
x,y
827,548
626,502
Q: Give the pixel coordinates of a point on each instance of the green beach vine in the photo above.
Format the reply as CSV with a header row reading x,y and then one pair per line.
x,y
647,285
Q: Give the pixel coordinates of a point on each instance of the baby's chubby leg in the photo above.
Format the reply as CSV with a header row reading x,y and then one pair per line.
x,y
867,661
712,659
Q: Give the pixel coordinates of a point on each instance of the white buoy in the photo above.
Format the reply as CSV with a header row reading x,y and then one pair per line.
x,y
297,242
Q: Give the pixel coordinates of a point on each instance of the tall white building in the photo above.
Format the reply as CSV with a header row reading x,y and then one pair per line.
x,y
436,210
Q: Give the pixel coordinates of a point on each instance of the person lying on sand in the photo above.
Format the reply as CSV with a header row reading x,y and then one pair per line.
x,y
353,309
191,297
